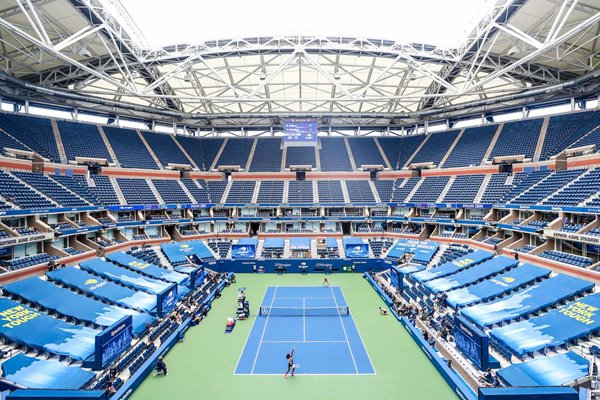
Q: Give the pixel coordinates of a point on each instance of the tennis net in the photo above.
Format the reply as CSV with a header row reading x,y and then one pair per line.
x,y
304,311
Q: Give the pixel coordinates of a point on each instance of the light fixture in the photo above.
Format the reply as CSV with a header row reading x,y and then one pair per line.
x,y
513,50
262,76
337,75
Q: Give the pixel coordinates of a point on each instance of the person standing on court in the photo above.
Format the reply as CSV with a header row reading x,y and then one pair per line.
x,y
161,366
290,360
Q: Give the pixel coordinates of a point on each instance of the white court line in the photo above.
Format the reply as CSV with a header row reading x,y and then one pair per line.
x,y
310,374
250,332
306,341
344,329
263,332
303,319
360,337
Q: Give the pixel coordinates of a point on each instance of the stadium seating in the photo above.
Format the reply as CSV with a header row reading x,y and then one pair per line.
x,y
300,155
576,192
435,148
241,192
270,192
136,191
129,148
7,141
399,150
496,188
104,190
518,138
549,185
267,155
430,189
359,192
51,189
402,189
464,189
202,151
333,155
384,189
300,192
82,140
170,191
236,152
165,148
365,152
523,182
34,132
567,258
330,192
471,147
570,130
197,189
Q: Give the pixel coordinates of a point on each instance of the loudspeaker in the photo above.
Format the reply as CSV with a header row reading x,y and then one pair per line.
x,y
300,175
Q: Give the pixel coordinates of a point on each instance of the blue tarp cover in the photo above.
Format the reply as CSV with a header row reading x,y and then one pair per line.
x,y
352,240
410,268
570,322
453,267
70,304
44,374
423,251
473,274
496,286
145,268
300,243
25,326
526,301
103,289
124,276
248,242
332,243
556,370
177,252
274,243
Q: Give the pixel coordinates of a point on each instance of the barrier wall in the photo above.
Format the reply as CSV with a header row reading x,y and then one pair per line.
x,y
308,265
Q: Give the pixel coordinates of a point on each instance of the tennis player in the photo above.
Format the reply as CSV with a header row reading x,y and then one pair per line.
x,y
291,366
325,281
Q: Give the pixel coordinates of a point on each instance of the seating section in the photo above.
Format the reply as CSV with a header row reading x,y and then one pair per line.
x,y
236,152
82,140
131,152
216,190
566,130
51,189
165,148
385,189
270,192
77,184
136,191
592,138
330,192
301,155
430,189
523,182
267,155
518,138
464,188
359,192
398,150
197,189
241,192
435,148
7,140
104,190
496,188
300,192
333,155
577,191
18,193
578,261
403,188
365,152
202,151
471,147
170,191
549,185
34,132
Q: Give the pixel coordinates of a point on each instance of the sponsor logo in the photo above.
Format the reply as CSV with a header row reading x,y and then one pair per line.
x,y
508,279
90,282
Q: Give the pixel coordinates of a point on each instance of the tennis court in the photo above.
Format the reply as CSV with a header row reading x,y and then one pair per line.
x,y
317,322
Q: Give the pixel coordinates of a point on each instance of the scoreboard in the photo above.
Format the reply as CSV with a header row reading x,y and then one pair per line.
x,y
300,132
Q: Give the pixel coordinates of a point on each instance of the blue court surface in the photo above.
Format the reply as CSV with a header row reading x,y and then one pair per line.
x,y
317,322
